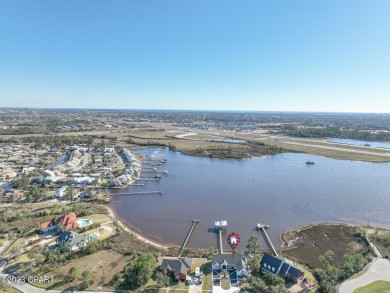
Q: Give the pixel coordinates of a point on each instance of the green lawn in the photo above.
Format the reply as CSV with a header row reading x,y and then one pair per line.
x,y
375,287
207,276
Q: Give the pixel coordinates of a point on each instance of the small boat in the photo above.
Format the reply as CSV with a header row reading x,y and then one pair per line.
x,y
309,163
165,172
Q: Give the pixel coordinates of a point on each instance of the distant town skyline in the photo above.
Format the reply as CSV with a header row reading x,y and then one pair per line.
x,y
306,56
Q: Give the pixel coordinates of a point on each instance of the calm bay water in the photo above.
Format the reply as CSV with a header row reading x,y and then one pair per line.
x,y
280,191
374,144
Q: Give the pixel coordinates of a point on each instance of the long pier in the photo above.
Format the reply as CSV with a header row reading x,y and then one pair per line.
x,y
266,238
149,179
139,193
220,241
194,222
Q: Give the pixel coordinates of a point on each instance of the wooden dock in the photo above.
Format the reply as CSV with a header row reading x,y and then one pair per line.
x,y
220,241
268,240
139,193
194,222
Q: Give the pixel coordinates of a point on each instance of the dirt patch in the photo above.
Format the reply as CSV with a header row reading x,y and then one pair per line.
x,y
306,244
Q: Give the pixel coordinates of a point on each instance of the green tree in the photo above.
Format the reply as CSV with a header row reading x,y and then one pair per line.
x,y
22,183
69,193
326,258
256,284
254,263
273,280
139,274
37,193
73,273
253,245
161,279
87,276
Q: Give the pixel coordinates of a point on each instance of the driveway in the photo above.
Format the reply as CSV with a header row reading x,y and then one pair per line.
x,y
195,288
377,270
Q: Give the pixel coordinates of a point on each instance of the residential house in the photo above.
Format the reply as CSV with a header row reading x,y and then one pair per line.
x,y
88,193
281,266
177,268
69,221
61,192
230,261
13,195
68,240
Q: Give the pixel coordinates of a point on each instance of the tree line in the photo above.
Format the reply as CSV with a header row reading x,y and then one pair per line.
x,y
334,132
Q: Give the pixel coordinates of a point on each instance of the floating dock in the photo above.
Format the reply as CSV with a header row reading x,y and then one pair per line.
x,y
194,222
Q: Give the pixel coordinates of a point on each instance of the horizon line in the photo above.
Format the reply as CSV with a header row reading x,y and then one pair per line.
x,y
195,110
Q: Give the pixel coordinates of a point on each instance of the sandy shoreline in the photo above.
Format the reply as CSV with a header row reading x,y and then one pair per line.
x,y
135,234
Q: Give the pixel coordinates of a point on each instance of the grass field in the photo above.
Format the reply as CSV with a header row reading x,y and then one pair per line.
x,y
375,287
104,265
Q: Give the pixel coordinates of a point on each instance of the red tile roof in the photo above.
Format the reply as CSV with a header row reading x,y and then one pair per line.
x,y
69,221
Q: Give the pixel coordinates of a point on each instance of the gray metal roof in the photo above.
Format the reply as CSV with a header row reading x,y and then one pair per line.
x,y
180,265
279,265
71,238
238,260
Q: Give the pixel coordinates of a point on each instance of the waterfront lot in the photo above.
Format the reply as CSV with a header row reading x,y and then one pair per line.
x,y
312,241
103,264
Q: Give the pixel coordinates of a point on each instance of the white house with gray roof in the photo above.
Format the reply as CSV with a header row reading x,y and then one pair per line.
x,y
230,261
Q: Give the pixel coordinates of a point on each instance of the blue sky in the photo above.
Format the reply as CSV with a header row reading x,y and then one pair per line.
x,y
217,55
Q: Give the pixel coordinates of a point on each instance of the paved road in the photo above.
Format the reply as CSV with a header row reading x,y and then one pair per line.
x,y
377,270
